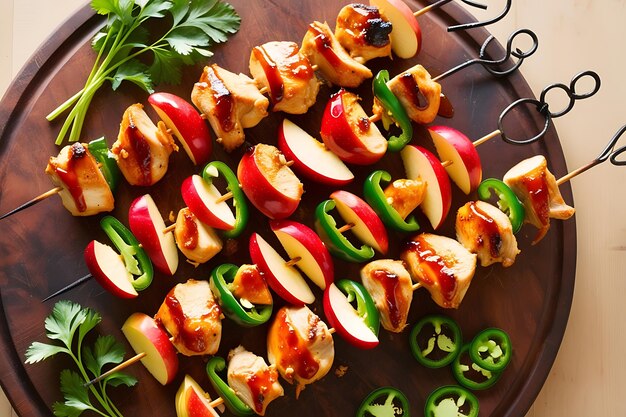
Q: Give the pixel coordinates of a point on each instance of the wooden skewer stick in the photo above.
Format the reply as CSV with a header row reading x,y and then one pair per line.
x,y
426,9
224,197
34,201
314,67
576,172
476,143
289,163
118,368
345,227
263,90
293,261
416,286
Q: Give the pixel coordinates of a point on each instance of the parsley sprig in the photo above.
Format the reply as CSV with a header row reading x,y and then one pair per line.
x,y
194,26
68,324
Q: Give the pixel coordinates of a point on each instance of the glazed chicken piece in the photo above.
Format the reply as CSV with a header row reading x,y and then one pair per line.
x,y
249,285
252,379
405,195
442,265
418,93
391,288
193,318
142,149
337,67
231,102
486,231
197,241
287,75
300,346
85,191
537,189
363,32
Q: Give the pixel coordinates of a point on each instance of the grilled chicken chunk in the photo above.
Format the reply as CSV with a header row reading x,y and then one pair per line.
x,y
252,379
363,32
442,265
417,92
300,346
536,188
391,288
84,189
486,231
231,102
286,74
404,195
197,241
193,318
249,285
142,149
337,67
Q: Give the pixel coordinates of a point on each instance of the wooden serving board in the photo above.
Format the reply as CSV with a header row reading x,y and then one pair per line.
x,y
41,248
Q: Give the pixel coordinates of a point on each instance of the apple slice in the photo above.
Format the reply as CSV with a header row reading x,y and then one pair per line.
x,y
145,336
367,226
345,319
193,401
302,242
406,35
348,133
202,199
108,268
421,163
186,124
284,279
310,157
465,168
147,225
268,182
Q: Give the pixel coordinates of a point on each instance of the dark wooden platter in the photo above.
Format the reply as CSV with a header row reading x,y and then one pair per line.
x,y
41,248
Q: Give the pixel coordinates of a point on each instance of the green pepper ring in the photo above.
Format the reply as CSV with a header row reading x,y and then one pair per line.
x,y
234,404
390,394
508,202
231,307
366,309
108,165
437,321
392,105
481,339
459,374
450,392
375,197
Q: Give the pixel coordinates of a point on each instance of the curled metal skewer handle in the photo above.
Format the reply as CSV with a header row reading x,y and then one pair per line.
x,y
543,107
609,153
473,25
488,63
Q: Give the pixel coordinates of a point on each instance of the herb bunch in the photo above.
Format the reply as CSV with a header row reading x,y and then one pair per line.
x,y
194,26
68,324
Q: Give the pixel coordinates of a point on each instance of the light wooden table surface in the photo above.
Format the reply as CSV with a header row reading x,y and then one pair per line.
x,y
588,376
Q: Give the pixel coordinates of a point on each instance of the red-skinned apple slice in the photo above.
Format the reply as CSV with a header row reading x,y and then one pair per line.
x,y
302,242
145,336
108,268
193,401
367,226
268,182
147,225
310,157
419,162
464,167
284,279
346,321
186,124
201,198
406,36
348,133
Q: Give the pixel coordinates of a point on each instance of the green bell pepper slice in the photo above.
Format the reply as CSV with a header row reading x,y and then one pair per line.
x,y
232,308
338,244
507,201
491,349
213,170
234,404
108,164
442,344
469,374
365,307
375,197
136,260
385,402
394,109
451,400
